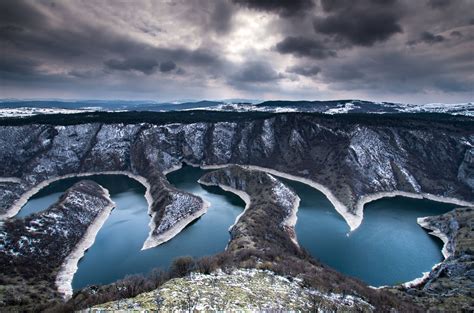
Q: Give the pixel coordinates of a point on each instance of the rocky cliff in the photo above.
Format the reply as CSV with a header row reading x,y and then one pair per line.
x,y
353,158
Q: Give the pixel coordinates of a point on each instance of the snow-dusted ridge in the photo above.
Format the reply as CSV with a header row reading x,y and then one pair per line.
x,y
287,200
70,264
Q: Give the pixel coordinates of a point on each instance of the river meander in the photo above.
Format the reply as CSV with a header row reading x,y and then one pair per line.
x,y
388,248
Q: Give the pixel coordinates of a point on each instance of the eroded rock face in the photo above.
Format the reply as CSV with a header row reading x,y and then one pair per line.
x,y
352,156
34,249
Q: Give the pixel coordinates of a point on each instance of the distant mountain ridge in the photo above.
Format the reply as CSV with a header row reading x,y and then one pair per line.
x,y
13,107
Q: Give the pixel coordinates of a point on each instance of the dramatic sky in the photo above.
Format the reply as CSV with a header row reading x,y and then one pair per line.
x,y
393,50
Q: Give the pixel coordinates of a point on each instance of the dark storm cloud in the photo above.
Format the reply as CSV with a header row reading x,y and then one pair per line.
x,y
206,47
28,29
167,66
334,5
358,25
221,17
438,4
72,41
196,57
399,73
86,74
430,38
255,72
18,12
282,7
304,70
210,16
18,66
455,33
304,47
146,66
18,70
9,30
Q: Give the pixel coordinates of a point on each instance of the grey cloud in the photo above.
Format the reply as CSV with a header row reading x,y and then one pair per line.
x,y
431,38
210,16
146,66
18,66
304,47
334,5
10,29
21,70
304,70
86,73
255,72
167,66
359,27
198,57
221,17
438,4
14,12
75,46
428,38
282,7
395,72
343,73
455,34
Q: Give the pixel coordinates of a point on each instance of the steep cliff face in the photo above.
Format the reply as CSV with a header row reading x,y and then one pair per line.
x,y
354,157
36,251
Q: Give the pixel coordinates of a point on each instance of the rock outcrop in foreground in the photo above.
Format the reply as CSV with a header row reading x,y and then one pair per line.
x,y
238,290
39,252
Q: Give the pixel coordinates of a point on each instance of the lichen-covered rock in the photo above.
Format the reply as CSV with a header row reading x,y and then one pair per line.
x,y
238,290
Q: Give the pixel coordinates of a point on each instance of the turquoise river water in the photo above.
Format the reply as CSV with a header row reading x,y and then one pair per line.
x,y
388,248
